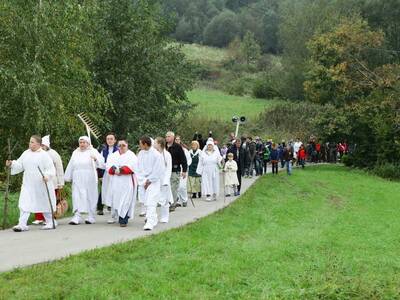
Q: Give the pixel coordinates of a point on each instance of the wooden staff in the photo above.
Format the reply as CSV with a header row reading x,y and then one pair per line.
x,y
48,195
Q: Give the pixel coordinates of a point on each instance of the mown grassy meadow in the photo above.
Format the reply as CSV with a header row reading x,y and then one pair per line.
x,y
205,55
215,104
325,232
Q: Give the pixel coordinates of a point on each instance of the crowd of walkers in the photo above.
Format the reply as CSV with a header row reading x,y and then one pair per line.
x,y
163,175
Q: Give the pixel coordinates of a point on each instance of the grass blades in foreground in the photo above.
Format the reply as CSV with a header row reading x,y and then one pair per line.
x,y
325,232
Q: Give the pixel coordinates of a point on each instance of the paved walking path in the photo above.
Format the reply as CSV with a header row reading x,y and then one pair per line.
x,y
37,246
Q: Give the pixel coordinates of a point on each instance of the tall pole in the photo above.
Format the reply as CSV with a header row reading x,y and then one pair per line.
x,y
237,128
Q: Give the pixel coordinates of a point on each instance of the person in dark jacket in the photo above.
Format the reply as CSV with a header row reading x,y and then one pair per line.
x,y
251,146
107,149
288,157
274,157
199,138
281,147
239,154
259,156
194,182
179,166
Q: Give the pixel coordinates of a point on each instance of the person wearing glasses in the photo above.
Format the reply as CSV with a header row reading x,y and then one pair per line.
x,y
121,167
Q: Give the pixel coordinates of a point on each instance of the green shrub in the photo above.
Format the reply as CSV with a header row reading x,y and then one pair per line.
x,y
388,171
236,87
263,88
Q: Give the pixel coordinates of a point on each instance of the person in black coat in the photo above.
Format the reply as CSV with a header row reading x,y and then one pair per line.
x,y
239,154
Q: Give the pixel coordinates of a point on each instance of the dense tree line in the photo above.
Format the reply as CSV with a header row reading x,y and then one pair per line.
x,y
343,55
218,22
109,59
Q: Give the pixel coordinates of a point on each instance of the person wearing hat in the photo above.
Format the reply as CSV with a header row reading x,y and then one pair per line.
x,y
38,171
210,160
58,180
81,171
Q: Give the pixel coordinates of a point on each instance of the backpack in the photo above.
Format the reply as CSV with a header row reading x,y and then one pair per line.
x,y
266,154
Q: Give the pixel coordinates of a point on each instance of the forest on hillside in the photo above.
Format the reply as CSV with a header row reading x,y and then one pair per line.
x,y
339,57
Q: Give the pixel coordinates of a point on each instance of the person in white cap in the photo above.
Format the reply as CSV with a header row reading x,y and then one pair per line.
x,y
208,168
81,171
33,197
150,173
121,166
58,180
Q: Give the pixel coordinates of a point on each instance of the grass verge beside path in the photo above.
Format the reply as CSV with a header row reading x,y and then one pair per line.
x,y
13,211
324,232
214,104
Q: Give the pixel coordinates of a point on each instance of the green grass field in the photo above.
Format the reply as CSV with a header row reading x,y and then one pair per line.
x,y
205,55
214,104
323,233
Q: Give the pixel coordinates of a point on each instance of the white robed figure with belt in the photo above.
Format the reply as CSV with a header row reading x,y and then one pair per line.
x,y
81,171
33,197
121,166
208,168
150,173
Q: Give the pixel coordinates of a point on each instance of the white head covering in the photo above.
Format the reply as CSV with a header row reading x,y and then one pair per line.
x,y
210,142
84,138
46,141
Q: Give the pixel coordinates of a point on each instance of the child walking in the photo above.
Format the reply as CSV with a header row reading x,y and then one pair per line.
x,y
231,180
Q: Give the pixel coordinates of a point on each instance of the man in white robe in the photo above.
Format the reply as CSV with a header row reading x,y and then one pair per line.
x,y
58,180
81,171
165,190
208,168
150,172
33,197
121,166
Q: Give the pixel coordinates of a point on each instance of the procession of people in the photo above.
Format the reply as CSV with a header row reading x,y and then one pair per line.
x,y
163,175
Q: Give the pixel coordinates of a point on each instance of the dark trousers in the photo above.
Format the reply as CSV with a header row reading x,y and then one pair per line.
x,y
259,166
265,166
100,205
124,220
239,176
275,167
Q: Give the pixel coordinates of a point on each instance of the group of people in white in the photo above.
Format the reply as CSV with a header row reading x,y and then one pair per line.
x,y
157,177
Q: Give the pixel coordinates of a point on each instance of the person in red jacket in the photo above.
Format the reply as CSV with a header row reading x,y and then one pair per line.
x,y
302,156
318,149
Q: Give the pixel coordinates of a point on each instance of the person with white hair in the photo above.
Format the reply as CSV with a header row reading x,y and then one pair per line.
x,y
58,180
81,171
208,168
34,197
